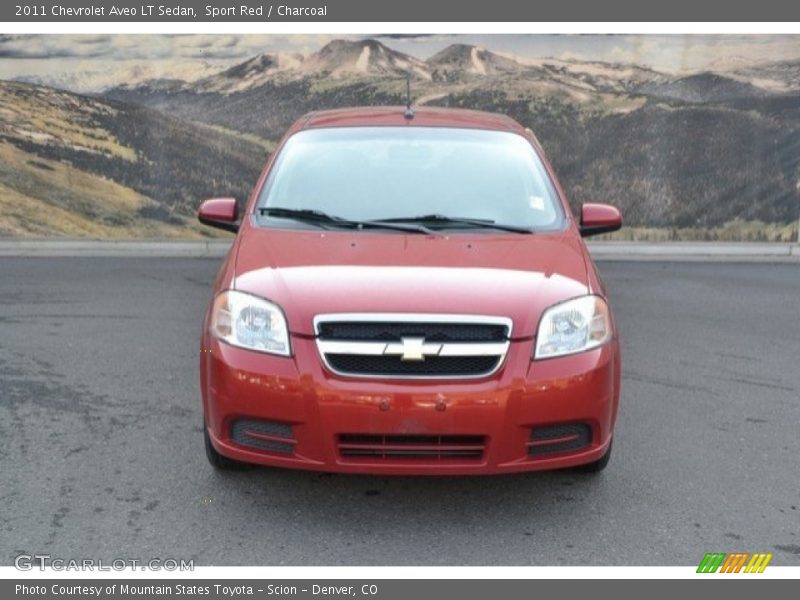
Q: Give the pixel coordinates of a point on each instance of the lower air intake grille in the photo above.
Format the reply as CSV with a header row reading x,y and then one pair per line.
x,y
411,447
263,435
559,438
394,365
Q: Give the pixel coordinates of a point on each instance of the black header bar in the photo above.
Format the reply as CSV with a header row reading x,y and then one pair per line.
x,y
444,11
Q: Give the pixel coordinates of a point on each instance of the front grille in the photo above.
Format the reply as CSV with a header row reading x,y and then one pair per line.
x,y
456,448
432,332
447,366
412,345
268,436
564,437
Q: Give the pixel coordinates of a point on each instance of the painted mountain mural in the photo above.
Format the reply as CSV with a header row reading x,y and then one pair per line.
x,y
674,151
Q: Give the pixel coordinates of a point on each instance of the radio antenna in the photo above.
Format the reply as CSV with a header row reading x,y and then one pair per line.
x,y
409,113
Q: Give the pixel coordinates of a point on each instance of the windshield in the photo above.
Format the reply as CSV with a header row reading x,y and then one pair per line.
x,y
375,173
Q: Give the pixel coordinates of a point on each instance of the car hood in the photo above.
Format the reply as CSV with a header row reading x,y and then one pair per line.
x,y
311,272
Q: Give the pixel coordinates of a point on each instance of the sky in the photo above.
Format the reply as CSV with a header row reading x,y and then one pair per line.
x,y
92,62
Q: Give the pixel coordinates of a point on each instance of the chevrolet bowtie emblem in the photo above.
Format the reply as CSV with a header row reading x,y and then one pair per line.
x,y
412,349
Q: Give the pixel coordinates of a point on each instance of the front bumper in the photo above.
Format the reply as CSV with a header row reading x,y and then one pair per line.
x,y
321,407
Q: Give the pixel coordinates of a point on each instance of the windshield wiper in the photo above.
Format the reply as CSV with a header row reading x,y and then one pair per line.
x,y
445,220
320,218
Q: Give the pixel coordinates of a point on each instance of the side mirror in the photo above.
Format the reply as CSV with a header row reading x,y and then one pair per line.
x,y
599,218
221,213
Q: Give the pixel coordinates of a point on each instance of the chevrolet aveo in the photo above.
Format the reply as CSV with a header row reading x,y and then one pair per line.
x,y
408,293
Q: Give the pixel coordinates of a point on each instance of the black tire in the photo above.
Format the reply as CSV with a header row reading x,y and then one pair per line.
x,y
598,465
223,463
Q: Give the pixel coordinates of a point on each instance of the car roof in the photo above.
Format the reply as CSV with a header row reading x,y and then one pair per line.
x,y
424,116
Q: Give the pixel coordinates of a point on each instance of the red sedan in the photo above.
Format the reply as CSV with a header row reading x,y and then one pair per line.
x,y
408,293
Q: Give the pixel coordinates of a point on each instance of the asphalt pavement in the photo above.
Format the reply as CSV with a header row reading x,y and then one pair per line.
x,y
102,453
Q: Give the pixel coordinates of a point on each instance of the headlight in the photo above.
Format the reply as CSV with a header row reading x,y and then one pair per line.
x,y
250,322
573,326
